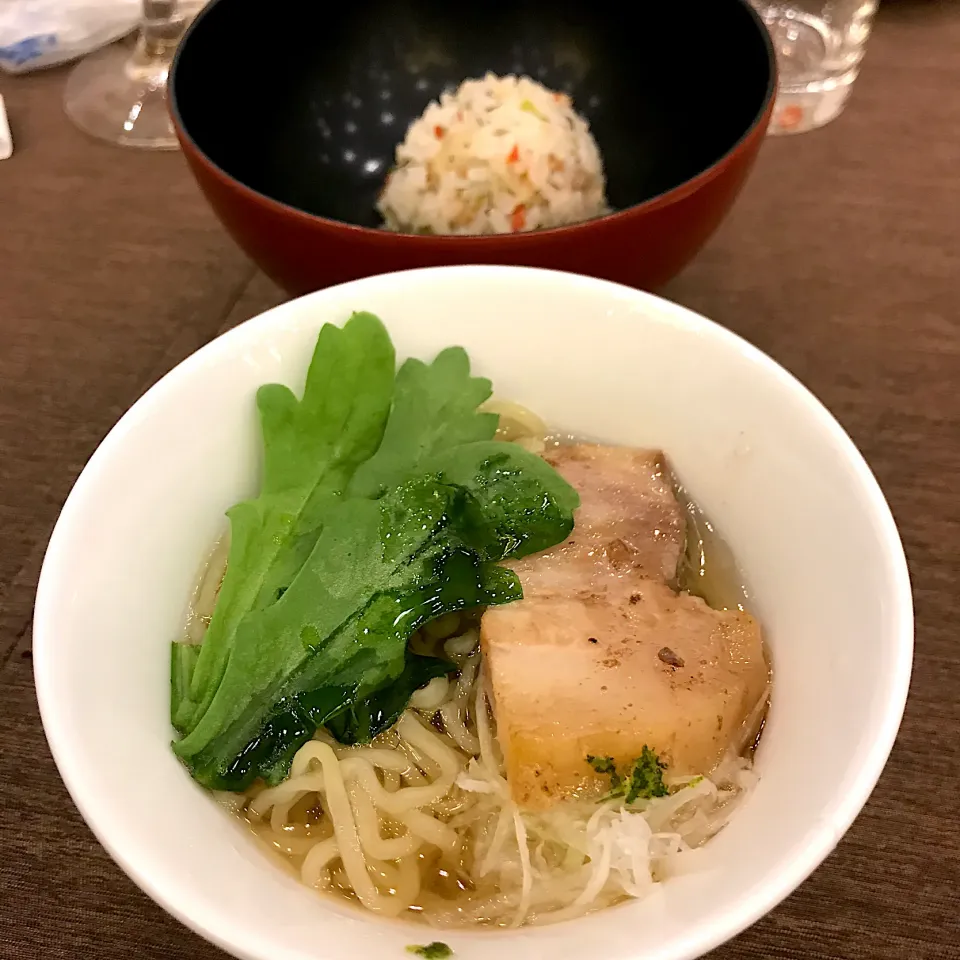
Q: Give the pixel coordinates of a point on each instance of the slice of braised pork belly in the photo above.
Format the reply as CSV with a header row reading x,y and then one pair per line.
x,y
603,656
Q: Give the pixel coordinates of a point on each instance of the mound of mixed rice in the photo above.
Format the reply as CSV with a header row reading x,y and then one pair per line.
x,y
499,155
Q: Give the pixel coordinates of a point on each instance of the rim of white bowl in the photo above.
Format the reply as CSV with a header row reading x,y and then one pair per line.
x,y
708,935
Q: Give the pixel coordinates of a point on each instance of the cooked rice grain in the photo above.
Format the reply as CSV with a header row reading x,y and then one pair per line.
x,y
499,155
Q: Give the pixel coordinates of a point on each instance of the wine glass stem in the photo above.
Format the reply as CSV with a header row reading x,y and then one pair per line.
x,y
161,26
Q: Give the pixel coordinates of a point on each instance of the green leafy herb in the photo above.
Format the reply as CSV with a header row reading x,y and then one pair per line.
x,y
363,720
378,572
432,951
183,659
519,503
643,782
606,767
379,512
329,609
311,450
646,777
434,410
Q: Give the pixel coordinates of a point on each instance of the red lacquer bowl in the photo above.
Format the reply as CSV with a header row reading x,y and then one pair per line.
x,y
289,115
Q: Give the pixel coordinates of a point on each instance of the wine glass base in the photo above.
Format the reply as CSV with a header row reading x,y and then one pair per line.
x,y
118,96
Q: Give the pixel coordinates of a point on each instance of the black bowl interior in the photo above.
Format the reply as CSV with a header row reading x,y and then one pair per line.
x,y
305,101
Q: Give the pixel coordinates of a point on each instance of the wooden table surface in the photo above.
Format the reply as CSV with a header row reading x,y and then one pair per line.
x,y
841,260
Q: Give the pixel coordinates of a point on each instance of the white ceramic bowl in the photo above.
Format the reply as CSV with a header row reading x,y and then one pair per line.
x,y
779,476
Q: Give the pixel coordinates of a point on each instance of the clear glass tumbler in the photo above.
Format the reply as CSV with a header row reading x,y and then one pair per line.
x,y
819,45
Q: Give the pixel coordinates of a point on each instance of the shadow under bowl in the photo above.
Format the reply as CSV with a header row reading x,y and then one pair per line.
x,y
289,122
